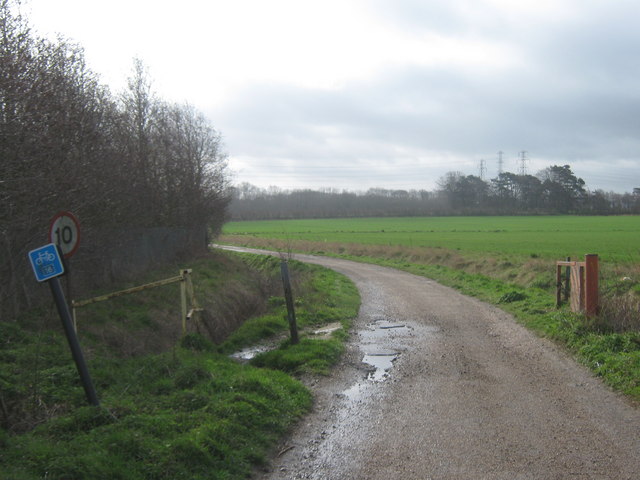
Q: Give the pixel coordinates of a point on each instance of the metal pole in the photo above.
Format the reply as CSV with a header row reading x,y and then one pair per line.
x,y
291,313
74,345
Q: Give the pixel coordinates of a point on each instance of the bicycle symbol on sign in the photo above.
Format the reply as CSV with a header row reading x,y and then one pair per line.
x,y
45,257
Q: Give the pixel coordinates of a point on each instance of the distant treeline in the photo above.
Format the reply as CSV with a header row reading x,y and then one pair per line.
x,y
554,190
121,163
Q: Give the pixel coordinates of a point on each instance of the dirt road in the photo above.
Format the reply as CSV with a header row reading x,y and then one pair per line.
x,y
469,395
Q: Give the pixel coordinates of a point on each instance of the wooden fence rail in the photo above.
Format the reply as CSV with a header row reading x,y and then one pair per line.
x,y
186,291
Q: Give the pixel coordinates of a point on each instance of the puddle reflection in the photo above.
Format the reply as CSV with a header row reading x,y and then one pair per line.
x,y
382,364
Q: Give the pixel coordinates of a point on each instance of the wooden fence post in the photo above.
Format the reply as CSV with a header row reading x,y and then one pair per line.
x,y
291,313
183,301
591,280
192,297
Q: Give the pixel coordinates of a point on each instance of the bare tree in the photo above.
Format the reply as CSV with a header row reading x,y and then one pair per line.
x,y
194,169
67,144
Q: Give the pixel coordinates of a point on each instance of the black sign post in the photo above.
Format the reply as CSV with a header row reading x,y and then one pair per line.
x,y
47,266
72,338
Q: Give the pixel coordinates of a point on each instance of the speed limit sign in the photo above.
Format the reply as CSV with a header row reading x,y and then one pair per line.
x,y
65,232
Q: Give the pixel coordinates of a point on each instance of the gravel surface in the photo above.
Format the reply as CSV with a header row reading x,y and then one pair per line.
x,y
467,394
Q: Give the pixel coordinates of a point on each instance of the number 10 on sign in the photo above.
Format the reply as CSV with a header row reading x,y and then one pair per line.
x,y
65,232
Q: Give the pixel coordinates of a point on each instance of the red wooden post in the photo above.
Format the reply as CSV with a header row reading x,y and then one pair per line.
x,y
591,280
558,285
567,281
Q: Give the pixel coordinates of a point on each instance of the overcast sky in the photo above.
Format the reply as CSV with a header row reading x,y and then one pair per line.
x,y
384,93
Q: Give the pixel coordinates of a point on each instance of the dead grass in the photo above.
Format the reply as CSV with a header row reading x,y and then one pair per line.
x,y
620,313
522,273
620,296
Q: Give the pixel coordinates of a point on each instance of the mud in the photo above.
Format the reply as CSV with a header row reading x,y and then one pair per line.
x,y
465,393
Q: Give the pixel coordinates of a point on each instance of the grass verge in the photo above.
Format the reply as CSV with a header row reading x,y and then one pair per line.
x,y
187,412
183,414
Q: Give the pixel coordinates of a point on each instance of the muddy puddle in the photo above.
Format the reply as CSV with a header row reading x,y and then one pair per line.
x,y
247,354
380,343
327,330
381,363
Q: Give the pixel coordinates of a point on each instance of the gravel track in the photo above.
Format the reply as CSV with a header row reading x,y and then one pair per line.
x,y
470,395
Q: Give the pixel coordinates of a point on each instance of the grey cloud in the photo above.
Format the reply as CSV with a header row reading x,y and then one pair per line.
x,y
574,100
419,15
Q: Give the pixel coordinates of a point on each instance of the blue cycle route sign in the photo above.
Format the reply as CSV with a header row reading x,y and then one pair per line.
x,y
46,262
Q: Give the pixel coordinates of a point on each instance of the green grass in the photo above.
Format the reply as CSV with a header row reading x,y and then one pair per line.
x,y
308,356
188,412
614,238
507,261
175,415
327,297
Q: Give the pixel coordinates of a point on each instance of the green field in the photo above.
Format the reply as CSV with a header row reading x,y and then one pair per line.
x,y
507,261
615,239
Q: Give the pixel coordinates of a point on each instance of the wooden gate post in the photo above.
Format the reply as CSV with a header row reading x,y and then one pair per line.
x,y
558,285
291,313
567,281
591,280
183,300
